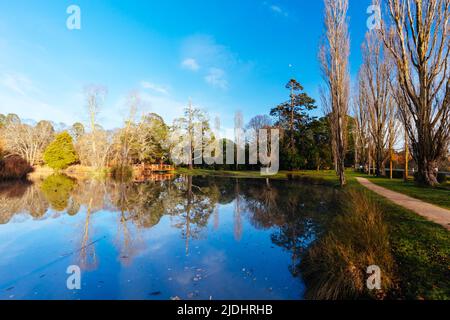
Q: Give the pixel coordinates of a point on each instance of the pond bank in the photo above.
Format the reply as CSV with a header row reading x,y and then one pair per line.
x,y
421,248
40,173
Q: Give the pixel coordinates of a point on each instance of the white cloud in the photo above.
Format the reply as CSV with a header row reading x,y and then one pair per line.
x,y
190,64
216,59
276,9
218,62
18,83
207,52
216,78
154,87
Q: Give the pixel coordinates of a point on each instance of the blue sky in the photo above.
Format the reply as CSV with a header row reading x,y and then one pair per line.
x,y
226,55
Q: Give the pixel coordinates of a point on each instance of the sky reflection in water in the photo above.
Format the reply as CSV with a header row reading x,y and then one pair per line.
x,y
193,238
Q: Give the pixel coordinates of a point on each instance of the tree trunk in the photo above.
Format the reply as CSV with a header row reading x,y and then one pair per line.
x,y
291,125
406,174
191,153
391,175
379,166
379,160
342,180
427,173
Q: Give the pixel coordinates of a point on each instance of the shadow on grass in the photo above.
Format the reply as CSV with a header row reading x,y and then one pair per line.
x,y
422,253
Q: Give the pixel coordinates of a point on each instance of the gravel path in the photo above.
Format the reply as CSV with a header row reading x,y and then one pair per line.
x,y
429,211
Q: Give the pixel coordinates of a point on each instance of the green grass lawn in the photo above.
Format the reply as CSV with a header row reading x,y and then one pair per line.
x,y
422,252
421,248
439,196
328,177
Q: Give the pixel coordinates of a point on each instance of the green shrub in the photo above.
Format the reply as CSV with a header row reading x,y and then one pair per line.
x,y
61,153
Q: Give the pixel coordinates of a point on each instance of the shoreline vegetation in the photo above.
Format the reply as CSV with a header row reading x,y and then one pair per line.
x,y
414,252
439,195
77,172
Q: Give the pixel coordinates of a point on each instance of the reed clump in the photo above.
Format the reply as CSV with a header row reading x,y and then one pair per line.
x,y
335,267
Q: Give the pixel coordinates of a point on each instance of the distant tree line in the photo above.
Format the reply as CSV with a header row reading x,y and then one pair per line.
x,y
402,95
147,139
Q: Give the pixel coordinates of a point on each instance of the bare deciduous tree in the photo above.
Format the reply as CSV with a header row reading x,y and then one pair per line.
x,y
417,37
186,128
26,140
374,88
362,138
96,144
401,104
125,139
333,56
259,122
152,136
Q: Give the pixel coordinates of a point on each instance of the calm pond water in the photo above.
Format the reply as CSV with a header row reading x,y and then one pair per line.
x,y
186,237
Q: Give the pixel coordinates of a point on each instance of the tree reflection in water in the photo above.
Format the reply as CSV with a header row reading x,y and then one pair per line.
x,y
193,205
294,213
18,197
57,188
